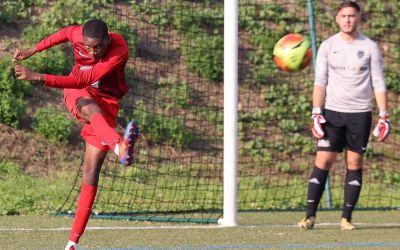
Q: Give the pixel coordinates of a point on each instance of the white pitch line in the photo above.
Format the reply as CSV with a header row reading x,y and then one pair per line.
x,y
197,227
111,228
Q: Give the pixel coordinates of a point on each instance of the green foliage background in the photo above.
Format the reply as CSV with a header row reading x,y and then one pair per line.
x,y
182,113
54,125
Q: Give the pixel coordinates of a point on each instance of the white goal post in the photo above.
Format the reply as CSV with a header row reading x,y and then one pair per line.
x,y
230,112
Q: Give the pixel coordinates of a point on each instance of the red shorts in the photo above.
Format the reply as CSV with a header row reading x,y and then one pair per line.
x,y
108,105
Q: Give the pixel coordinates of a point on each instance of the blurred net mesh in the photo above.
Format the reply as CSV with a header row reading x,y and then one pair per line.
x,y
176,93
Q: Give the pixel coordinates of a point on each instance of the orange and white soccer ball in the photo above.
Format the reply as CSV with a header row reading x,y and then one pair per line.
x,y
292,52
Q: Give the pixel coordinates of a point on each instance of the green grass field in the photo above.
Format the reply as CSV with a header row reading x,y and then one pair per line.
x,y
261,230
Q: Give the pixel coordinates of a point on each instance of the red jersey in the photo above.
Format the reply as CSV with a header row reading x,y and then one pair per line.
x,y
105,75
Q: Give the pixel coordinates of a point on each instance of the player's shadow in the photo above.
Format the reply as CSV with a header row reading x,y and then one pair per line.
x,y
367,227
358,227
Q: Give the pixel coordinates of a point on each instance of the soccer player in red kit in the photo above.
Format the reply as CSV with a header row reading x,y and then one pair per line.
x,y
91,93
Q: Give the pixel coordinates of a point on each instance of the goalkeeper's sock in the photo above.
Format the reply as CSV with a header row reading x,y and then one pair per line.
x,y
316,186
104,131
352,189
83,211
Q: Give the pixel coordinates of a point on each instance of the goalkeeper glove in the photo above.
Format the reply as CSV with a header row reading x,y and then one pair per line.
x,y
382,128
318,119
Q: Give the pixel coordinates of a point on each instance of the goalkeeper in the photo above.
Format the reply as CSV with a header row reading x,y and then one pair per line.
x,y
349,68
91,93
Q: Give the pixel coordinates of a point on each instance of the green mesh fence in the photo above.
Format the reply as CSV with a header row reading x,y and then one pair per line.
x,y
176,93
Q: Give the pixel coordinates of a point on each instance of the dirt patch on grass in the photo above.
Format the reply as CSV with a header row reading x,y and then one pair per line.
x,y
35,154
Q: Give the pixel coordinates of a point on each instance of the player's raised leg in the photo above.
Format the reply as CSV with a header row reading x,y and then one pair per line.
x,y
126,146
102,122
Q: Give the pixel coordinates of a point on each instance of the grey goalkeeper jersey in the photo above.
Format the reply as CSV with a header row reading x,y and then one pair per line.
x,y
350,72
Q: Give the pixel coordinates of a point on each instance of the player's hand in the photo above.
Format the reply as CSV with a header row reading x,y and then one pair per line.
x,y
24,73
318,119
21,54
382,128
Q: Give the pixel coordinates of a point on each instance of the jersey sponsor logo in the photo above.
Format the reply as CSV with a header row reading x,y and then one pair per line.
x,y
323,143
334,67
355,68
85,67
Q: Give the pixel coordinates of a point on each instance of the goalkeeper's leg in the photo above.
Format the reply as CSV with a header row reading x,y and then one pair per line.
x,y
352,187
352,190
316,186
93,161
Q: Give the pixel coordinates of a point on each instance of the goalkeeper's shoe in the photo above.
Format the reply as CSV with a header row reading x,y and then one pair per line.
x,y
127,143
71,246
307,223
346,224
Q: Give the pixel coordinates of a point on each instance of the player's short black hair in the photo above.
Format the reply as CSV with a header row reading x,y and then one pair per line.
x,y
349,3
95,28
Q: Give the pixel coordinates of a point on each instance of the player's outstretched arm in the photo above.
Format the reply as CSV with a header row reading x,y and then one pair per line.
x,y
22,54
24,73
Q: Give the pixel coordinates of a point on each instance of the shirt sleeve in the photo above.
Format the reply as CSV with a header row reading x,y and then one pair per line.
x,y
377,70
59,37
80,79
321,65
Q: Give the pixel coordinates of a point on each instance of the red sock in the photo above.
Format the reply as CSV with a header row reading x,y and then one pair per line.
x,y
103,130
83,211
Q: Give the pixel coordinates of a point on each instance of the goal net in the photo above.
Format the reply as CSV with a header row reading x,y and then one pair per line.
x,y
175,74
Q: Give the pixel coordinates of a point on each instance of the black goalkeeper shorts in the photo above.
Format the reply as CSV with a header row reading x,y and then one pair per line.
x,y
345,130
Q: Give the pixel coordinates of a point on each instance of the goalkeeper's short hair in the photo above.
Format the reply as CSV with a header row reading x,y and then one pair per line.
x,y
348,3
